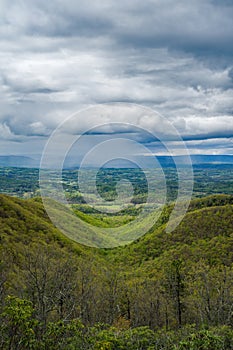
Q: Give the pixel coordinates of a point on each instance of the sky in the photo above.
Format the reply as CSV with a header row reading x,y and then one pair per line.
x,y
173,56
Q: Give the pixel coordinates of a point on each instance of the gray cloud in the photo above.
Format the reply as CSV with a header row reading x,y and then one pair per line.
x,y
58,57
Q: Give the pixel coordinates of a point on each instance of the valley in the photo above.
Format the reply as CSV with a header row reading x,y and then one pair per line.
x,y
163,291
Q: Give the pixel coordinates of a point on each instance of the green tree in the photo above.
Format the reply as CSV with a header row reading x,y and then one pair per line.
x,y
18,325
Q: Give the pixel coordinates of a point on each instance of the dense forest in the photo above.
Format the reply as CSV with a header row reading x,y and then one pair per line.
x,y
164,291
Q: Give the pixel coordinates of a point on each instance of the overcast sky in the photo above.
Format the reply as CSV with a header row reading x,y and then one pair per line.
x,y
175,56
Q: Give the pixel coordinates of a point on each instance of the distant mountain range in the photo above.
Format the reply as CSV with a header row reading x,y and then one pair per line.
x,y
18,161
197,160
165,161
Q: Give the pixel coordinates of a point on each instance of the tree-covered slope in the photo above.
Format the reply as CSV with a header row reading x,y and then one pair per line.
x,y
26,221
206,226
163,281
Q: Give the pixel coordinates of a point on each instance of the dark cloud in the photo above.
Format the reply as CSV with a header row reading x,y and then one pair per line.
x,y
230,74
58,57
71,26
202,27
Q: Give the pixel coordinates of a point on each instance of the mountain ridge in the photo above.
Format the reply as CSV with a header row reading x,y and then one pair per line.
x,y
165,161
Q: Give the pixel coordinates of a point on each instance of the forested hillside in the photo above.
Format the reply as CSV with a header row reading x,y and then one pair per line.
x,y
164,291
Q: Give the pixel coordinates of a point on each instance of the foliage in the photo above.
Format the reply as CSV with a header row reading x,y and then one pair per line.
x,y
164,291
18,325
